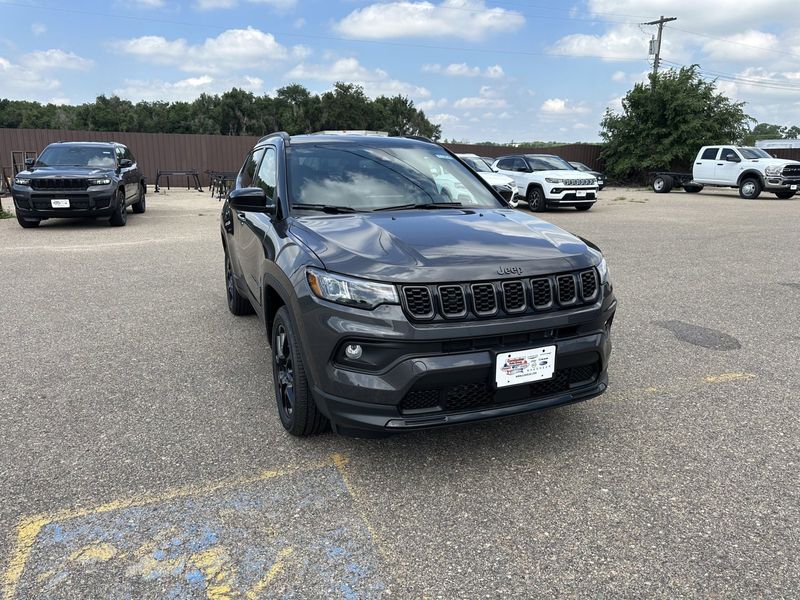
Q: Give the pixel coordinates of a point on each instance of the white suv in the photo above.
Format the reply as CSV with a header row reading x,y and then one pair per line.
x,y
503,184
548,181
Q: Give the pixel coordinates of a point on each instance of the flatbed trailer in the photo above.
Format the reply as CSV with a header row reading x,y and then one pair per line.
x,y
664,181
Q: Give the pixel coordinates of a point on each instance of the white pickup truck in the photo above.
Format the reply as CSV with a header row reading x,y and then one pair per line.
x,y
750,170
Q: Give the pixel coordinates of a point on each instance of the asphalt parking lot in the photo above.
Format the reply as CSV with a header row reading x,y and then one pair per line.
x,y
141,455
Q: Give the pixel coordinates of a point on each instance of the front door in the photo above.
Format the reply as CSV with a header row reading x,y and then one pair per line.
x,y
726,171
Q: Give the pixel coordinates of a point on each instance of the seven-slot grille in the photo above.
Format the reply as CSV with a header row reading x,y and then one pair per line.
x,y
578,182
791,171
60,183
507,297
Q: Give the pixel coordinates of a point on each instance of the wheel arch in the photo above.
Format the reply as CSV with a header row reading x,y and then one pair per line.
x,y
748,174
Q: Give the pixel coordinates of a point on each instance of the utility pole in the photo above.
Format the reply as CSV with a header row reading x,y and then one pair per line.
x,y
660,22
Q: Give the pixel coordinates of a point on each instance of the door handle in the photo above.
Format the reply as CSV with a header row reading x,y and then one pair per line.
x,y
698,163
242,218
720,164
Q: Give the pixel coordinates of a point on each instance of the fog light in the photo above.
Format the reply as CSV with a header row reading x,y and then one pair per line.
x,y
353,351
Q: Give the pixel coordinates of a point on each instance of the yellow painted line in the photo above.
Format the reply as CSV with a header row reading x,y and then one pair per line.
x,y
723,377
274,571
29,527
101,552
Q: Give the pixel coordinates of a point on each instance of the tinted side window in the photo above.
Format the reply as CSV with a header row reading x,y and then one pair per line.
x,y
726,152
267,173
249,167
520,165
129,154
504,164
120,153
709,154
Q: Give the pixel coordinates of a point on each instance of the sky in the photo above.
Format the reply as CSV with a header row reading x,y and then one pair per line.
x,y
500,70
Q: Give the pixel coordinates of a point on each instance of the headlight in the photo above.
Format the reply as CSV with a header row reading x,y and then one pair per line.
x,y
774,170
602,269
22,180
352,292
101,181
553,180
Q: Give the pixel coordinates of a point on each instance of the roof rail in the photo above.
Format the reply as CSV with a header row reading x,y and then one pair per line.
x,y
352,132
281,134
419,138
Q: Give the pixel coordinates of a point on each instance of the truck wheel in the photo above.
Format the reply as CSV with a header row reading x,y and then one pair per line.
x,y
120,215
141,205
662,184
296,406
692,188
535,198
27,223
784,194
750,188
237,304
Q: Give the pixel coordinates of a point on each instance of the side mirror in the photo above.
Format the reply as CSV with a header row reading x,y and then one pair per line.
x,y
252,198
29,162
733,158
125,163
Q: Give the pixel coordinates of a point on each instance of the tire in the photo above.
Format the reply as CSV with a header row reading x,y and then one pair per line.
x,y
784,194
750,188
237,304
27,223
692,188
296,406
584,208
120,216
662,184
535,198
141,205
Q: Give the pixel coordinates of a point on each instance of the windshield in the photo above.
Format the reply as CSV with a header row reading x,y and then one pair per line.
x,y
580,166
754,153
549,163
477,164
371,177
100,157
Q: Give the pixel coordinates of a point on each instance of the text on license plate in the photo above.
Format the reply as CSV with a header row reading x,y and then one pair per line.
x,y
524,366
794,187
59,202
581,194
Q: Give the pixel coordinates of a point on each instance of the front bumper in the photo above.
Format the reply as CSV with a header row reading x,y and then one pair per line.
x,y
570,196
451,365
782,183
93,202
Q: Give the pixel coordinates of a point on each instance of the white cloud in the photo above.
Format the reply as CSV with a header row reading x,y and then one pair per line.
x,y
232,50
38,29
464,19
464,70
625,41
431,104
560,106
149,3
42,60
618,76
445,119
487,98
747,46
185,89
376,82
23,83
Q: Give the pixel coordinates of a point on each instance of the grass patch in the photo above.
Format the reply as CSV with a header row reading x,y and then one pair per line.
x,y
4,214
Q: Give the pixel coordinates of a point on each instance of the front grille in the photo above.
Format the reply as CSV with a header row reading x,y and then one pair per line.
x,y
500,298
578,182
418,302
542,293
60,183
484,299
567,294
452,300
791,171
588,284
479,394
513,296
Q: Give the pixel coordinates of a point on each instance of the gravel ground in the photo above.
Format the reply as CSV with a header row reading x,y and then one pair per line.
x,y
141,454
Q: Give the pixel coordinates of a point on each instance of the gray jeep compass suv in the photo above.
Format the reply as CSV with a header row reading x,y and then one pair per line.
x,y
399,291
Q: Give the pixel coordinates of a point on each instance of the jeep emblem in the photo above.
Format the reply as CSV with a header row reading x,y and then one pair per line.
x,y
509,271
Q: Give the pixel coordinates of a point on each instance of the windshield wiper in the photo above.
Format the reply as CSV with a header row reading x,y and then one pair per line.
x,y
422,206
327,208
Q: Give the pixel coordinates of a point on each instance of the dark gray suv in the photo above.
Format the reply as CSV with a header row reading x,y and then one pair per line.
x,y
399,291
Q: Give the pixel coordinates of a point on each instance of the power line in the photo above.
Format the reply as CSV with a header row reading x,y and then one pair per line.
x,y
729,41
318,37
763,82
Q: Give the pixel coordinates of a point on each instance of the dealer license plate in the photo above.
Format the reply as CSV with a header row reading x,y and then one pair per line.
x,y
59,202
524,366
793,188
581,194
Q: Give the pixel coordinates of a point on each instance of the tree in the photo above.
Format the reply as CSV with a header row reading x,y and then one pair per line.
x,y
768,131
663,125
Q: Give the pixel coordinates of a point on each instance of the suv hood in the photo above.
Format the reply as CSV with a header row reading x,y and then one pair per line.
x,y
772,162
496,178
564,174
442,245
61,171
